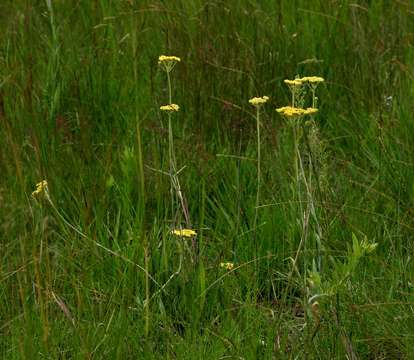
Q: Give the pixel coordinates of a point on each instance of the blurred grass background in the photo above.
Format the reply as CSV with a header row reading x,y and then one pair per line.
x,y
80,90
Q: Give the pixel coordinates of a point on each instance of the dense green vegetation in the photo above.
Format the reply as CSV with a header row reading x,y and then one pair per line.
x,y
91,269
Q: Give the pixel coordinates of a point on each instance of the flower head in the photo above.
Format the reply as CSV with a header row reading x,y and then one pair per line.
x,y
292,112
313,79
258,101
41,189
295,82
170,108
184,232
227,265
311,110
168,62
165,58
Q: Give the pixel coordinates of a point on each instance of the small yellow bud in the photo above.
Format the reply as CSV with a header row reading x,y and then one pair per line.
x,y
227,265
170,107
184,232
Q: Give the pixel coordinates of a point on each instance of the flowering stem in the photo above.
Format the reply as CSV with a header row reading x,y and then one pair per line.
x,y
171,160
258,174
169,88
171,146
175,183
295,152
313,97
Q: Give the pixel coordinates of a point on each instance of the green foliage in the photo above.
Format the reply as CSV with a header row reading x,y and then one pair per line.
x,y
93,271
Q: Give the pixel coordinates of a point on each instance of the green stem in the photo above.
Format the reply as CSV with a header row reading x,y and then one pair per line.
x,y
295,156
258,175
169,88
175,183
313,98
171,157
171,163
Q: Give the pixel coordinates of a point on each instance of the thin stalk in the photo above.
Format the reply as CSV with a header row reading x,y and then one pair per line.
x,y
169,88
258,176
171,165
313,97
175,183
170,148
295,161
313,170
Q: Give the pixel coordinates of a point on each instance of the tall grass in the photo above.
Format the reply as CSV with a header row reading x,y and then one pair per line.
x,y
101,276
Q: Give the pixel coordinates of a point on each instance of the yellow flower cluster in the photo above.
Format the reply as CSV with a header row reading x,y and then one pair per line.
x,y
168,62
305,79
312,79
227,265
291,112
296,82
170,107
259,101
164,58
184,233
41,187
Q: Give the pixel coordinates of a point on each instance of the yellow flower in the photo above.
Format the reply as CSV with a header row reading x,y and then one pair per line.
x,y
168,62
296,82
310,111
313,79
170,107
184,233
41,188
227,265
258,101
165,58
291,112
284,109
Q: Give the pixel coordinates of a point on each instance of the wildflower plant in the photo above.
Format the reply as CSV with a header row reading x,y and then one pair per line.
x,y
313,82
258,102
167,63
297,91
41,191
304,192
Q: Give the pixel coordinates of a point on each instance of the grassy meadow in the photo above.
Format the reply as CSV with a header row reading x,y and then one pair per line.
x,y
304,226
